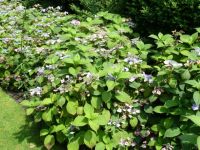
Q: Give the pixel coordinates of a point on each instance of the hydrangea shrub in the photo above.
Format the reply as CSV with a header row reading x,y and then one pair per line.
x,y
90,86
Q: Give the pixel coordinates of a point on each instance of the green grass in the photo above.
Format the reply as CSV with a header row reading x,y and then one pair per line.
x,y
15,131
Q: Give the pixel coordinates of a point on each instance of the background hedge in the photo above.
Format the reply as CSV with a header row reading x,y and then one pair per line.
x,y
150,16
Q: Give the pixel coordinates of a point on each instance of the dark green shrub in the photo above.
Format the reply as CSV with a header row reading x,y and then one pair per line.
x,y
95,6
89,85
164,15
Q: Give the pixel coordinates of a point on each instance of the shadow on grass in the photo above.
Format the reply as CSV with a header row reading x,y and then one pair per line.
x,y
30,132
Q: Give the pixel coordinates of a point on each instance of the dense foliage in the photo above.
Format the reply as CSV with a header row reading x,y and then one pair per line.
x,y
165,15
149,16
88,84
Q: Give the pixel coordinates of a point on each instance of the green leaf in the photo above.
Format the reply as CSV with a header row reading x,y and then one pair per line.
x,y
47,101
135,85
133,122
61,101
106,96
52,59
88,110
160,109
110,84
123,97
47,115
72,107
171,103
96,102
76,141
49,141
104,118
195,119
29,111
188,138
100,146
80,110
57,128
77,58
26,103
173,83
80,121
44,132
168,122
72,71
186,75
93,125
124,75
196,97
186,39
153,36
172,132
74,145
198,142
90,139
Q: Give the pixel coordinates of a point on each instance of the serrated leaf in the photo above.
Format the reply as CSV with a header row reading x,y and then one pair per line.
x,y
104,118
168,122
44,132
90,139
47,115
172,132
49,141
88,110
154,36
186,39
26,103
106,96
80,121
61,101
96,102
72,107
124,75
93,125
74,145
196,97
57,128
110,84
171,103
29,111
47,101
100,146
194,119
186,75
160,109
77,58
133,122
123,97
188,138
80,110
72,71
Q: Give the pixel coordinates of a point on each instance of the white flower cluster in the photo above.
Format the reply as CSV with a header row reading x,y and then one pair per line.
x,y
197,51
75,22
117,122
127,142
157,91
172,63
133,60
147,77
36,91
65,85
62,55
126,111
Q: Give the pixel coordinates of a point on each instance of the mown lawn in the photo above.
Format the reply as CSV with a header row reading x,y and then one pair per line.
x,y
15,131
